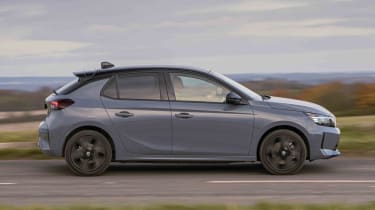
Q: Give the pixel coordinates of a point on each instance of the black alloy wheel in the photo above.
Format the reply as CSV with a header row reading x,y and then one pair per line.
x,y
88,153
283,152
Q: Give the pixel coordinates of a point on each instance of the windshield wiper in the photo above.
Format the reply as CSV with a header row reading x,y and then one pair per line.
x,y
54,91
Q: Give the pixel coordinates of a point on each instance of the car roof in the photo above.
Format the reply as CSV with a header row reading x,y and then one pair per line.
x,y
137,67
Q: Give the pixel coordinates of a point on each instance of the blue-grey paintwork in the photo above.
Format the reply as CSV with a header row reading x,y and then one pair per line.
x,y
216,132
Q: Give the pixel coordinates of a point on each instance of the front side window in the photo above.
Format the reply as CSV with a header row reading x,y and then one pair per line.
x,y
195,88
141,86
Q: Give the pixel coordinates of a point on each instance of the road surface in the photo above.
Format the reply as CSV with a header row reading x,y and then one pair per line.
x,y
50,182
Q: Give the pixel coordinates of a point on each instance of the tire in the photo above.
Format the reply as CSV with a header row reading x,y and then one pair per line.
x,y
88,153
283,152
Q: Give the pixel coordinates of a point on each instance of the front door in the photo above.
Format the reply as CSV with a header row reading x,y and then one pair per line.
x,y
203,123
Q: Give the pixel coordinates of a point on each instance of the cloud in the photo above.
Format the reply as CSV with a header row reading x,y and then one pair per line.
x,y
301,28
60,34
195,23
47,48
247,6
22,10
167,24
107,28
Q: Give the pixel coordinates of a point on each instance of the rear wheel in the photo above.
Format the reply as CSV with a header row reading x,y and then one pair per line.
x,y
283,152
88,153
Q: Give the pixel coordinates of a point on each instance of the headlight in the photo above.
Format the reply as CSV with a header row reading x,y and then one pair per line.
x,y
322,120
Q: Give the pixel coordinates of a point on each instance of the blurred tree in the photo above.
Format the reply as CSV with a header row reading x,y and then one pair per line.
x,y
335,96
366,96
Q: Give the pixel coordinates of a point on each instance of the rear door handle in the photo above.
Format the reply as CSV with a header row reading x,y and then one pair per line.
x,y
184,115
124,114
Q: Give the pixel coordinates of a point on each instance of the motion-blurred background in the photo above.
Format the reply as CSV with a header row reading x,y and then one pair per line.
x,y
320,51
350,96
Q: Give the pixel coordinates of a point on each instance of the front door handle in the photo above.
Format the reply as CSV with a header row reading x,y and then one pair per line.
x,y
184,115
124,114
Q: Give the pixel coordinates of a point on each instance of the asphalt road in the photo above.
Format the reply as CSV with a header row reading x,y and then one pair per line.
x,y
49,181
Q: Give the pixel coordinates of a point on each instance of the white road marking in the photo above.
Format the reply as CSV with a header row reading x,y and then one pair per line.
x,y
7,183
109,182
288,181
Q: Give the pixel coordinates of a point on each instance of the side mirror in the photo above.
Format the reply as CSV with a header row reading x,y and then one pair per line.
x,y
233,98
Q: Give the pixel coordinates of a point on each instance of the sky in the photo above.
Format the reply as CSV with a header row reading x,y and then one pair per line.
x,y
56,38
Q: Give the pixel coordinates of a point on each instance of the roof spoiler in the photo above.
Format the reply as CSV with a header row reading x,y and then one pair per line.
x,y
106,65
92,73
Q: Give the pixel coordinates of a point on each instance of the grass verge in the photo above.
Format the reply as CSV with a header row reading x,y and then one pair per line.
x,y
22,119
19,136
32,153
260,206
357,141
357,135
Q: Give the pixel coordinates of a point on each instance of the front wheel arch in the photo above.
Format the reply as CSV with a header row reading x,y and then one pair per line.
x,y
94,128
286,127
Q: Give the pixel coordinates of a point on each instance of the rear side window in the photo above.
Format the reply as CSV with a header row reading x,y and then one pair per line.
x,y
145,86
139,86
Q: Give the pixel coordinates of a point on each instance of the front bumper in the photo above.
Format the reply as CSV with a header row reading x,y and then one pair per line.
x,y
324,143
328,153
330,142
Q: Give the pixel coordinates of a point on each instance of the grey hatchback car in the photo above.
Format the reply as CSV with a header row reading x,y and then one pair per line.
x,y
174,113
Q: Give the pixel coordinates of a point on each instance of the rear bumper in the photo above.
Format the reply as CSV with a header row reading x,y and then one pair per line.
x,y
43,139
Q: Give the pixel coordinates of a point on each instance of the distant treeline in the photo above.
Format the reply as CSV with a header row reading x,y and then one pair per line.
x,y
340,98
16,100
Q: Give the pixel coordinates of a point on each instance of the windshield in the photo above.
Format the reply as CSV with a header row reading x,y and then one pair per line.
x,y
240,87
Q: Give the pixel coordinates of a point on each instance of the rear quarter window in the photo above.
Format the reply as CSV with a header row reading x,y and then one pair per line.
x,y
110,89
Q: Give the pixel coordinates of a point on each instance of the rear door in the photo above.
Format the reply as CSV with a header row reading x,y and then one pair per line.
x,y
137,104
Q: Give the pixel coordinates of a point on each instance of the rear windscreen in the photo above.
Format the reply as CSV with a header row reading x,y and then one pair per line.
x,y
68,87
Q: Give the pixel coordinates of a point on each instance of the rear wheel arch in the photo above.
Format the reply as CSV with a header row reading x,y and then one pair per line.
x,y
285,127
94,128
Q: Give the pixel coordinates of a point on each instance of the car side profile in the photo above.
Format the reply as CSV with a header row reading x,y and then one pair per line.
x,y
174,113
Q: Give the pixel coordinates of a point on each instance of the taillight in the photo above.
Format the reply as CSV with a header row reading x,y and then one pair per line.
x,y
61,104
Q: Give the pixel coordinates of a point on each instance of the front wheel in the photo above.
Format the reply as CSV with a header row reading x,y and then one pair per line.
x,y
88,153
283,152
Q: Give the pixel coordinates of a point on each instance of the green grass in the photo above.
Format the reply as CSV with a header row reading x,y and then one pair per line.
x,y
31,153
18,136
357,135
357,121
357,141
260,206
22,119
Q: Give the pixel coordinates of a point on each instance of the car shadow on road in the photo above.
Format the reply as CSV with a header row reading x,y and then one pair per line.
x,y
207,168
189,168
